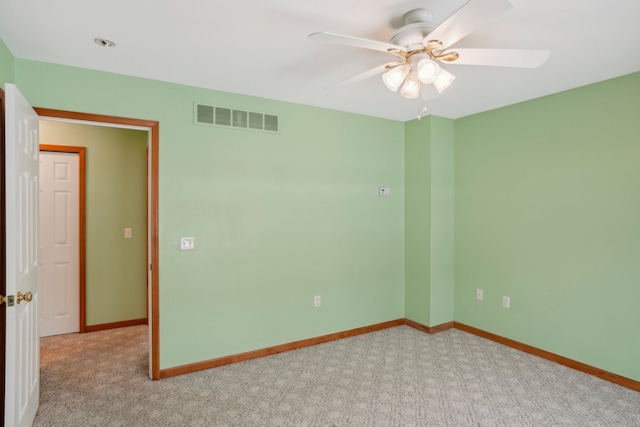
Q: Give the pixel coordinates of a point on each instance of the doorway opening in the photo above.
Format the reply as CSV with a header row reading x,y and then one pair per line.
x,y
152,128
93,227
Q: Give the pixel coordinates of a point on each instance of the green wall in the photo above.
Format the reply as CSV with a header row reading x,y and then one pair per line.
x,y
418,220
429,220
116,287
442,221
548,213
7,63
544,210
278,218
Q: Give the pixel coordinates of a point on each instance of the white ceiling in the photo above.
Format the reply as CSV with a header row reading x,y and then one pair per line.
x,y
260,48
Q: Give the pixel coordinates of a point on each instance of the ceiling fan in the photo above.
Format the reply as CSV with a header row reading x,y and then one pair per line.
x,y
420,49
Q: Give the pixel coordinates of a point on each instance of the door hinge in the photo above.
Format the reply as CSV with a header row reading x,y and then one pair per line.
x,y
9,299
150,267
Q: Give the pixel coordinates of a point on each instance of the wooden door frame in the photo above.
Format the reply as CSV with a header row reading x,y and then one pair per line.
x,y
153,128
82,227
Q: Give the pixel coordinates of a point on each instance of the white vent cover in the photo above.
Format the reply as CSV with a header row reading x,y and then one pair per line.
x,y
230,117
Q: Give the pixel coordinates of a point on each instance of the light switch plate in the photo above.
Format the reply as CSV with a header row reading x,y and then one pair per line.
x,y
187,243
506,302
128,233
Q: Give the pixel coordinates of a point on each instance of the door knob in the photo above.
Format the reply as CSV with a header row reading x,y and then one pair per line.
x,y
27,297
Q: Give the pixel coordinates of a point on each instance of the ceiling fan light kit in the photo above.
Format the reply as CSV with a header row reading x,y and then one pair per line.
x,y
416,71
419,48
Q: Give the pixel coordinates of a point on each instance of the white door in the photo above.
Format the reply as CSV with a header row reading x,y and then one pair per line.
x,y
22,346
59,243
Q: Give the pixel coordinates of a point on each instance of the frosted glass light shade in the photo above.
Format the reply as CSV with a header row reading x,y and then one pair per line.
x,y
443,80
394,77
411,87
428,70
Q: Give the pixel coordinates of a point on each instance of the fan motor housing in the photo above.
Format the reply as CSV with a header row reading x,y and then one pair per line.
x,y
411,36
419,23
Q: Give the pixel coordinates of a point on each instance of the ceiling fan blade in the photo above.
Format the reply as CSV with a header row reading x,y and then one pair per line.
x,y
369,73
357,42
501,57
473,15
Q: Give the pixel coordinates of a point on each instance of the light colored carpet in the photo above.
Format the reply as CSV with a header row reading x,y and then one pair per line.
x,y
394,377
